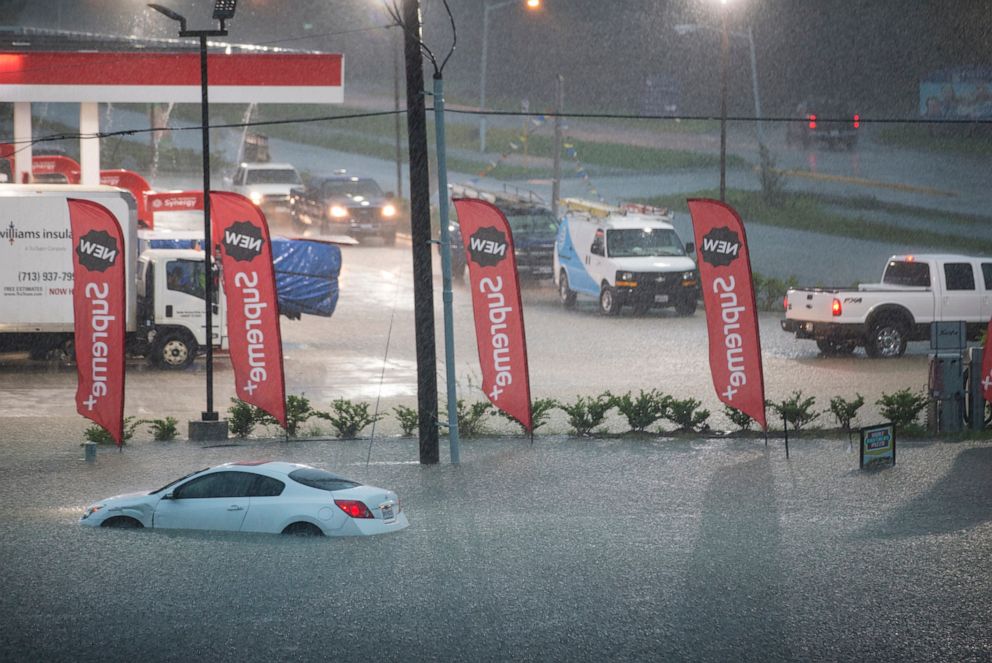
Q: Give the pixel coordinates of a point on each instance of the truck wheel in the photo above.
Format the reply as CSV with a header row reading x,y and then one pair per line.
x,y
887,339
835,348
685,306
609,304
565,294
174,351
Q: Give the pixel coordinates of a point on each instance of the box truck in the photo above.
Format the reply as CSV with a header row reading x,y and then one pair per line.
x,y
165,310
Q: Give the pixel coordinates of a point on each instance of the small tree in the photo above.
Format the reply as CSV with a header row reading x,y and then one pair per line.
x,y
99,434
772,179
408,418
740,419
644,409
845,411
241,418
471,417
163,430
298,411
903,407
585,414
540,411
686,415
796,410
348,418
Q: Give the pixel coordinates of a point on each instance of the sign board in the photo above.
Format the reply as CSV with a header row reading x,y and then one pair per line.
x,y
948,335
878,444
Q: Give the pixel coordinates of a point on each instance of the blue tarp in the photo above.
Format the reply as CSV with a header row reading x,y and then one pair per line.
x,y
306,273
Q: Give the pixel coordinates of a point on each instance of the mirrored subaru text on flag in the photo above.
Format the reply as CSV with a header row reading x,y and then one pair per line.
x,y
98,300
499,316
253,329
987,365
731,314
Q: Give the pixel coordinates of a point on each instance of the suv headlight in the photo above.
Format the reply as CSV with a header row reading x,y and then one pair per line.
x,y
338,212
256,197
389,211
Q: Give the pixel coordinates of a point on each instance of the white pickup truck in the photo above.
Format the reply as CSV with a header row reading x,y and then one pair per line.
x,y
915,291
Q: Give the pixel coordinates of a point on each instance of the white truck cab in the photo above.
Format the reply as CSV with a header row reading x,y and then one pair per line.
x,y
628,254
267,185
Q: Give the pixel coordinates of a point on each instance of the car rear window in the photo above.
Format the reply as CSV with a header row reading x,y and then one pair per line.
x,y
321,479
908,273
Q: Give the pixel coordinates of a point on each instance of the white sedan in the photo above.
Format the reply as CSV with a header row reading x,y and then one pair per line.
x,y
267,496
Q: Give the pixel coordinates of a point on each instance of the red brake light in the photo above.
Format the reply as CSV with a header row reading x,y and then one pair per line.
x,y
785,302
354,508
857,121
835,307
812,121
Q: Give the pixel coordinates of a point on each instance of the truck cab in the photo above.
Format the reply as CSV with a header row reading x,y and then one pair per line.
x,y
624,255
268,186
171,290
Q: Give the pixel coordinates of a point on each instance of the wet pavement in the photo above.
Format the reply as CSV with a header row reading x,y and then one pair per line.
x,y
564,549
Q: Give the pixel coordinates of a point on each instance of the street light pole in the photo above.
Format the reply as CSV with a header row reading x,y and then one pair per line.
x,y
223,10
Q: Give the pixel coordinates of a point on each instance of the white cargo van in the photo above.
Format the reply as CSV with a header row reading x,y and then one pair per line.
x,y
628,254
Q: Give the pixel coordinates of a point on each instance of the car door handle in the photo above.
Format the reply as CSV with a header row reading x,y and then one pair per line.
x,y
235,507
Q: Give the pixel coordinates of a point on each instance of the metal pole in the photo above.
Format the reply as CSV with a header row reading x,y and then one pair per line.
x,y
556,179
724,49
396,107
482,78
446,296
420,231
754,87
208,244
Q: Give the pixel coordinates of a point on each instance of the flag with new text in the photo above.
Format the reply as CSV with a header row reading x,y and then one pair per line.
x,y
99,309
499,316
252,312
731,313
987,365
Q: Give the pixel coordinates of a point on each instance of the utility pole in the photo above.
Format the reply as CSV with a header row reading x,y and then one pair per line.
x,y
556,178
420,230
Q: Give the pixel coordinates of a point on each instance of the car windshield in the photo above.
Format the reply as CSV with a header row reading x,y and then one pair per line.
x,y
321,479
532,224
174,482
899,272
352,189
631,242
272,176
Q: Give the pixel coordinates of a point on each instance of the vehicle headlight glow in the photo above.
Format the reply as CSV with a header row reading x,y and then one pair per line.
x,y
338,212
388,210
689,276
256,197
626,276
91,510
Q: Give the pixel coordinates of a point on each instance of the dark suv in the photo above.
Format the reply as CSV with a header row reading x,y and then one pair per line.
x,y
344,204
533,225
827,122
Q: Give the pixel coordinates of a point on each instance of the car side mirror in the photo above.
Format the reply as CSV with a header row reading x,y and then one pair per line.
x,y
168,496
690,248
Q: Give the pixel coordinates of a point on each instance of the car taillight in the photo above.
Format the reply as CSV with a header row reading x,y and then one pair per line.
x,y
354,508
785,302
835,307
812,121
857,121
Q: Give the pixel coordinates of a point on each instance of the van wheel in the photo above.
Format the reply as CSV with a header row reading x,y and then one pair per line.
x,y
685,306
175,350
565,294
609,304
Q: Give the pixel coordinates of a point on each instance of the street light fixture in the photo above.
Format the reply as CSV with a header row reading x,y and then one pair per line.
x,y
531,5
223,11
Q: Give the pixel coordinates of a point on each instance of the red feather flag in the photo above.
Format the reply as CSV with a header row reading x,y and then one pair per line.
x,y
99,305
499,316
731,313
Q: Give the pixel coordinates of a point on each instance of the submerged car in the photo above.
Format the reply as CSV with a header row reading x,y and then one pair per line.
x,y
264,496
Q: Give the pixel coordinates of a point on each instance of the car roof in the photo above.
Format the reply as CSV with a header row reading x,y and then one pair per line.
x,y
274,466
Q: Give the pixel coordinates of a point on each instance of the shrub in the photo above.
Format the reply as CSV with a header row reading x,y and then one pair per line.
x,y
540,411
242,418
470,417
903,407
741,420
643,410
585,414
298,411
163,430
845,411
99,434
408,417
348,418
686,415
796,411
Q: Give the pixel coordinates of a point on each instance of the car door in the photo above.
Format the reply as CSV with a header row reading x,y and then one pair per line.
x,y
961,299
215,501
596,258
